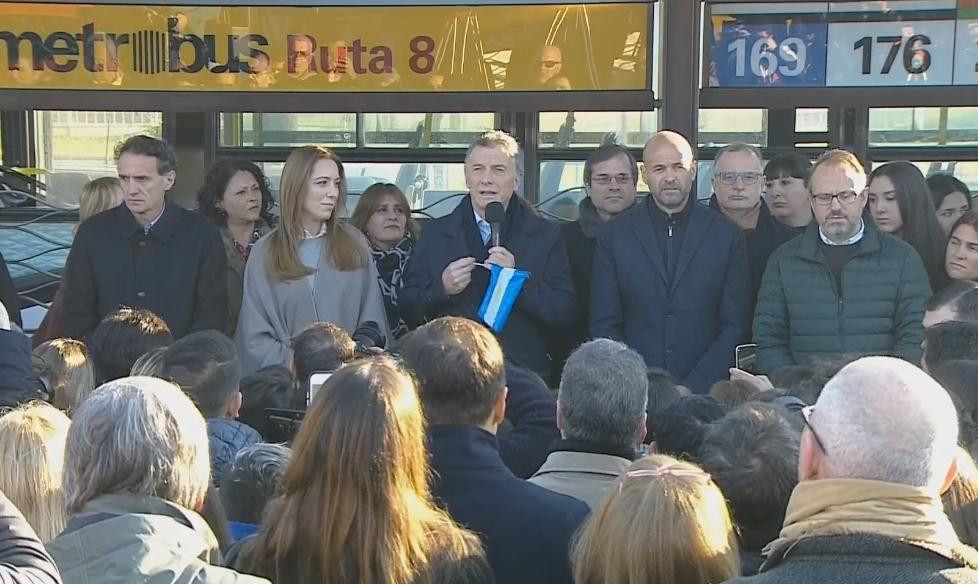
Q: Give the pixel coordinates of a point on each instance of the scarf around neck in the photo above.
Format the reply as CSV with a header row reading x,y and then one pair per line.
x,y
390,265
846,506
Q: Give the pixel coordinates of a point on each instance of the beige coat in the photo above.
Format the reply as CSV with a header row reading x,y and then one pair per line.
x,y
582,475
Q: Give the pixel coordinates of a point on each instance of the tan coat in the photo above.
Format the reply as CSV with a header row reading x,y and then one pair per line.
x,y
582,475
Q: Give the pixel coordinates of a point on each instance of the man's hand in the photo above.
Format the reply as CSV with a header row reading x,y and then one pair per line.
x,y
500,256
457,275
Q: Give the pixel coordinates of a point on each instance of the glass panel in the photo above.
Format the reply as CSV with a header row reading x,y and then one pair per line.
x,y
266,129
718,127
590,129
812,120
432,188
966,170
75,147
916,126
562,188
455,130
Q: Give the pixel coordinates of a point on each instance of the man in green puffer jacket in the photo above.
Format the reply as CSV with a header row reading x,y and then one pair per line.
x,y
842,287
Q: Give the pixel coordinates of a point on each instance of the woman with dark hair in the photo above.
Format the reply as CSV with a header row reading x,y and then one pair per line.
x,y
952,199
356,505
961,256
785,189
312,267
384,216
901,205
236,197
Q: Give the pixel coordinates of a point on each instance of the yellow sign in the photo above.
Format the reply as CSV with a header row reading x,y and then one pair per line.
x,y
345,49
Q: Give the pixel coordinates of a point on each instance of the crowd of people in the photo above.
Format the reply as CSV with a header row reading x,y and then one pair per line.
x,y
243,394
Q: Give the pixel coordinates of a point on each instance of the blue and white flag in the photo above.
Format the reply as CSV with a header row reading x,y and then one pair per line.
x,y
504,286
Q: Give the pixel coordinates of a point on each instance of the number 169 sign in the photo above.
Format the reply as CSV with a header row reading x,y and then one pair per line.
x,y
769,55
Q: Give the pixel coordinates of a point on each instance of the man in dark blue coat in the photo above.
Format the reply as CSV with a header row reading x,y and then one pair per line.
x,y
526,529
671,277
442,276
147,253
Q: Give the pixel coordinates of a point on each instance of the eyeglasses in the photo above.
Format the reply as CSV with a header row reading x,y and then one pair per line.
x,y
550,64
607,179
748,178
845,198
806,415
660,472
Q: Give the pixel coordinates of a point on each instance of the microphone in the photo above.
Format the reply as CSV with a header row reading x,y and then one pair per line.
x,y
495,215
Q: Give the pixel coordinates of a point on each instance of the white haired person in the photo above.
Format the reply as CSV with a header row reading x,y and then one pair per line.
x,y
136,473
877,451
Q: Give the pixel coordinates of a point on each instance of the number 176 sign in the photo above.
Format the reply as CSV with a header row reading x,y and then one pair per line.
x,y
754,45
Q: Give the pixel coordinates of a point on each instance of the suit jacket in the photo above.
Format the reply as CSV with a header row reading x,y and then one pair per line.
x,y
526,529
177,271
689,326
546,301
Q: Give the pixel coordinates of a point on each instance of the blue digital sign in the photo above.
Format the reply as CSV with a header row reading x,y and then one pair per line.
x,y
760,50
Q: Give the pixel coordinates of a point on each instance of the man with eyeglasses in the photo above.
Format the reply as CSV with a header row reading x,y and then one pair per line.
x,y
877,451
547,66
670,277
610,179
842,287
738,179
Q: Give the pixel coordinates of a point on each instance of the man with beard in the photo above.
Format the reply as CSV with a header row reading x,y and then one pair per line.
x,y
842,287
671,280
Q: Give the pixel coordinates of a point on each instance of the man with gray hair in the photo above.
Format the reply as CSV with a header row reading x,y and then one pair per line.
x,y
252,480
601,417
136,473
877,451
447,274
738,179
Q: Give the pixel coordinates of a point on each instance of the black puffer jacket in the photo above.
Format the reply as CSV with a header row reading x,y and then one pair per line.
x,y
227,437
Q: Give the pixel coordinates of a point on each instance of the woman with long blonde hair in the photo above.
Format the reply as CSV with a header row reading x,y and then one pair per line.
x,y
97,195
67,367
355,503
32,451
664,521
311,268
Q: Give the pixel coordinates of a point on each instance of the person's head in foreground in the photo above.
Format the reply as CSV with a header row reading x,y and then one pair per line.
x,y
459,367
136,478
355,504
137,436
878,449
665,522
32,448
